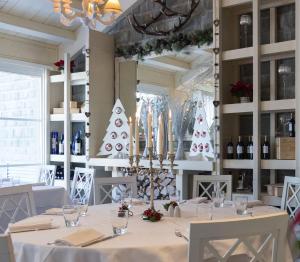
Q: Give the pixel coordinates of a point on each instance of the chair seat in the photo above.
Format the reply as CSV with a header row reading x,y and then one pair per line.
x,y
233,258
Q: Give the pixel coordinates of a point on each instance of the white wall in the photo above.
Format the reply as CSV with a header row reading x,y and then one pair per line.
x,y
27,50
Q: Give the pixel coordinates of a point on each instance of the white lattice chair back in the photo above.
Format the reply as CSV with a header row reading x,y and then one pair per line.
x,y
105,186
204,185
47,175
6,249
82,185
241,239
290,200
16,203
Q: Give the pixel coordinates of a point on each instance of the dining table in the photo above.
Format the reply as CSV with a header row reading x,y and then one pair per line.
x,y
144,241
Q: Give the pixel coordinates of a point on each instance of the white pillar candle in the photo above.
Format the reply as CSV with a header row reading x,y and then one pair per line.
x,y
170,134
160,136
150,142
130,137
137,135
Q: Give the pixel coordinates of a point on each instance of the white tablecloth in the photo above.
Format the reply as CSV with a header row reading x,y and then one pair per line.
x,y
145,241
46,197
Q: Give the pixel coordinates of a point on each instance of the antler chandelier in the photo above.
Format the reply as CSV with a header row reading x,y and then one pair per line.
x,y
93,11
152,28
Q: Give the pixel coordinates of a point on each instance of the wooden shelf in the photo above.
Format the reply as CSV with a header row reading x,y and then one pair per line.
x,y
79,78
74,159
238,108
266,106
80,117
266,50
237,164
278,164
179,165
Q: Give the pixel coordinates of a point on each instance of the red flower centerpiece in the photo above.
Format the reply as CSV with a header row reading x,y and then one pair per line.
x,y
61,65
242,90
152,215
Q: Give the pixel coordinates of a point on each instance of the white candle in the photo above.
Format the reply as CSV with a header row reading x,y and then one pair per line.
x,y
160,136
137,135
150,143
130,137
170,134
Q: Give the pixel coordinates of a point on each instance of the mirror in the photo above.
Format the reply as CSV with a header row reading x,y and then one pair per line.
x,y
181,82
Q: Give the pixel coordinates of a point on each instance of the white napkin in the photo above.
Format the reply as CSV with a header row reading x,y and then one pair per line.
x,y
198,200
81,238
31,224
134,201
54,212
254,203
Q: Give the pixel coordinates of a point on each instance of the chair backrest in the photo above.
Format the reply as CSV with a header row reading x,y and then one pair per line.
x,y
269,232
6,249
203,185
290,200
105,186
82,184
47,175
16,203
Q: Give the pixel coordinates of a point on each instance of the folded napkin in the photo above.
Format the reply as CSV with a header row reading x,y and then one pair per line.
x,y
30,224
198,200
54,212
254,203
81,238
137,202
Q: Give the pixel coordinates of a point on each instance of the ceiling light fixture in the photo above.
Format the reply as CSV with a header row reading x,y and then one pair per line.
x,y
93,11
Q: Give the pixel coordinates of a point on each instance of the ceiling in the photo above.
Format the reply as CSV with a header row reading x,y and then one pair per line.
x,y
35,19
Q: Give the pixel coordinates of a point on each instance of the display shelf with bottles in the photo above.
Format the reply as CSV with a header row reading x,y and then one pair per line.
x,y
260,51
84,99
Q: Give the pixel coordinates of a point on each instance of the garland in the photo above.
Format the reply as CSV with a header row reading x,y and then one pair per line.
x,y
173,43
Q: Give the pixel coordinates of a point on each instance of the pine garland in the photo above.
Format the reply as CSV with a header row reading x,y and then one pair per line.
x,y
172,43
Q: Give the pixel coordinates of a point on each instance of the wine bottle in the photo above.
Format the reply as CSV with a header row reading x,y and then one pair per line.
x,y
229,150
78,144
291,126
61,145
240,149
265,149
250,148
54,143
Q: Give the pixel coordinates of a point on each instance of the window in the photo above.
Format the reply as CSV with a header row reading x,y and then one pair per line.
x,y
21,121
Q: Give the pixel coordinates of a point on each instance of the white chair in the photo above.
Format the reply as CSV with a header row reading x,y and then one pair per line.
x,y
47,175
290,200
6,249
16,203
105,186
269,232
82,184
203,185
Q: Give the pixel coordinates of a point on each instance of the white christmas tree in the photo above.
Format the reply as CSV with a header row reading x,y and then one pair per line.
x,y
116,141
201,142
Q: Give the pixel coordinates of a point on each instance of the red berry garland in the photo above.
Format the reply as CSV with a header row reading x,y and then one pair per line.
x,y
152,215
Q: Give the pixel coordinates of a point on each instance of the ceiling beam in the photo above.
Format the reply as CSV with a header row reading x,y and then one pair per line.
x,y
24,26
168,63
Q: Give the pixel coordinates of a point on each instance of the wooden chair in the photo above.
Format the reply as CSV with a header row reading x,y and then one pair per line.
x,y
290,200
105,186
82,185
269,230
16,203
203,185
47,175
6,249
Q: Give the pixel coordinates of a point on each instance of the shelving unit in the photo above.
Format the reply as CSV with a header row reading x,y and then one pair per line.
x,y
259,117
94,87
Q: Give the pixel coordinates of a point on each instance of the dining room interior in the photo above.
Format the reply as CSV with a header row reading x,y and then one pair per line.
x,y
149,130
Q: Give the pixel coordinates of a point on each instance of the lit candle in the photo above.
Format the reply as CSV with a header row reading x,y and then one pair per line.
x,y
150,142
160,136
137,135
170,134
130,137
